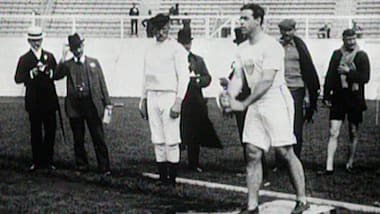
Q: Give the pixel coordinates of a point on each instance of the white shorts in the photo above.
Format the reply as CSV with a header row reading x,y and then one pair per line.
x,y
163,128
269,121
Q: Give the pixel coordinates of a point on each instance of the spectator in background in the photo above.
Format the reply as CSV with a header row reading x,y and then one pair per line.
x,y
301,78
358,30
86,100
348,72
174,11
134,11
186,23
35,70
148,26
196,128
324,32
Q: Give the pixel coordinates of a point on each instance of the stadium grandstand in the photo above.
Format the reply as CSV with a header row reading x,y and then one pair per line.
x,y
210,18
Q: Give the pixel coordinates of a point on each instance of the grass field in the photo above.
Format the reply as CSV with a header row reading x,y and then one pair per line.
x,y
131,154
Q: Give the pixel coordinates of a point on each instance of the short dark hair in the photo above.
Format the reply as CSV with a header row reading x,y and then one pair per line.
x,y
348,32
258,11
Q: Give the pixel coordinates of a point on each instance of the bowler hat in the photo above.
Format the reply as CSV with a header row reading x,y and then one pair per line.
x,y
184,36
287,24
75,40
35,33
159,21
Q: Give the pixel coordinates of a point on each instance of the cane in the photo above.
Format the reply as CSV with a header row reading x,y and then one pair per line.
x,y
61,123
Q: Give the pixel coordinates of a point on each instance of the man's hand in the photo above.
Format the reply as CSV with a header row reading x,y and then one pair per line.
x,y
236,105
175,110
143,108
309,112
343,69
223,82
327,103
65,52
33,73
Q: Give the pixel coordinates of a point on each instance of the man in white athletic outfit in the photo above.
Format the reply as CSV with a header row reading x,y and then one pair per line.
x,y
270,110
165,81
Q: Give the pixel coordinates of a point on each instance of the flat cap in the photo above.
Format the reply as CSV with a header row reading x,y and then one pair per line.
x,y
287,23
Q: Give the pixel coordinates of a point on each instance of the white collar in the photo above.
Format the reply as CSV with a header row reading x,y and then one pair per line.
x,y
81,59
37,53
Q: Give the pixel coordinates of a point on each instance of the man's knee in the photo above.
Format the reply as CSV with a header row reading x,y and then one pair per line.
x,y
334,132
253,153
286,152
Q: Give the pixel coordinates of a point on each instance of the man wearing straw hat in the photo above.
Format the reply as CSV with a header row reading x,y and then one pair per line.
x,y
35,70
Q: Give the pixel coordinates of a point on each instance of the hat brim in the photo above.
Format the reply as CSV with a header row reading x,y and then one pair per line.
x,y
35,36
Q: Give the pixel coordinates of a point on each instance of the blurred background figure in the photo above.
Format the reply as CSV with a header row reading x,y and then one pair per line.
x,y
134,11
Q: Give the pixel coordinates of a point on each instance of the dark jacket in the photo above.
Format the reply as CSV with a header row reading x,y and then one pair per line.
x,y
308,72
40,94
332,89
196,127
97,85
132,12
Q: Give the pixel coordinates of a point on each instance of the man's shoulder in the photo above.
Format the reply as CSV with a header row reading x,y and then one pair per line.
x,y
47,52
91,59
26,55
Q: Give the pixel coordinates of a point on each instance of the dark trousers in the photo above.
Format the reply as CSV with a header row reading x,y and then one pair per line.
x,y
298,97
134,26
42,144
193,154
89,114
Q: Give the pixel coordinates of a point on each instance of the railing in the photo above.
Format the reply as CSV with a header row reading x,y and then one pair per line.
x,y
202,26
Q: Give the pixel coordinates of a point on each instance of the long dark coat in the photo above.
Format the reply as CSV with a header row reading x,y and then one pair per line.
x,y
40,94
333,87
196,127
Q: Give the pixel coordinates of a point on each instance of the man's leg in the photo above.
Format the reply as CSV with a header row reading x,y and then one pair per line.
x,y
353,131
50,126
295,169
333,143
36,139
254,174
298,97
162,164
95,127
193,155
77,127
172,152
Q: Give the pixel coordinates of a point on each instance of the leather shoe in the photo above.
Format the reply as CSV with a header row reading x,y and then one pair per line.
x,y
300,207
32,167
246,211
196,169
325,172
350,169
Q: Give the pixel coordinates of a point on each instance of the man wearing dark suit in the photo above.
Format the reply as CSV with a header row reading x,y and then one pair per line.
x,y
343,93
196,128
87,97
134,11
35,71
